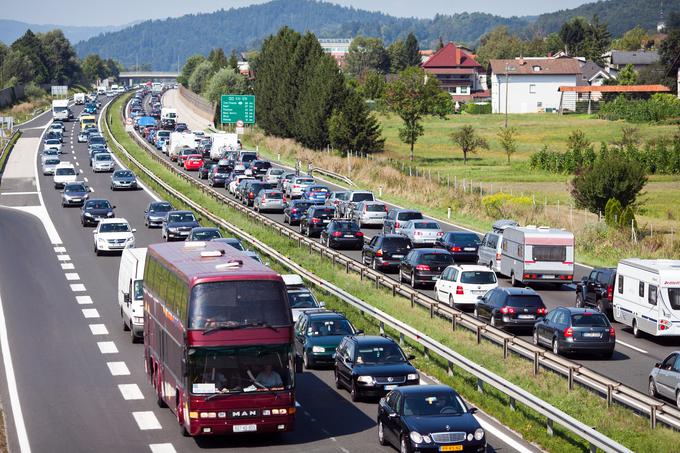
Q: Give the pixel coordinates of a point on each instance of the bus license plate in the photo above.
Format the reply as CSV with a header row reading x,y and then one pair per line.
x,y
390,387
245,428
451,448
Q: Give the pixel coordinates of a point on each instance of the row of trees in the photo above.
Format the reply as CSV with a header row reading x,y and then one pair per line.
x,y
369,55
214,76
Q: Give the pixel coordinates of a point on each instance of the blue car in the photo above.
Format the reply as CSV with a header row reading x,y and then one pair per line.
x,y
316,194
295,210
90,109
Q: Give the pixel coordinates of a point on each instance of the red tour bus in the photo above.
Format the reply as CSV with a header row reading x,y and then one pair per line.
x,y
218,339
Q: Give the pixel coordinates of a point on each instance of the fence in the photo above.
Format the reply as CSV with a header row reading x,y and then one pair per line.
x,y
197,104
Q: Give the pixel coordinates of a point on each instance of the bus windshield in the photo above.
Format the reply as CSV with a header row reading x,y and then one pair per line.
x,y
239,303
214,370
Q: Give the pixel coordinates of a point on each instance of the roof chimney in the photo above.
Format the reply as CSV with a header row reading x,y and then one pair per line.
x,y
457,55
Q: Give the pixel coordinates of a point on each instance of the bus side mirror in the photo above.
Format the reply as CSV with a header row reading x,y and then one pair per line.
x,y
298,364
126,298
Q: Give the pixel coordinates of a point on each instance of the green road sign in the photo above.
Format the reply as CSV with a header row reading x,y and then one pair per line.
x,y
235,107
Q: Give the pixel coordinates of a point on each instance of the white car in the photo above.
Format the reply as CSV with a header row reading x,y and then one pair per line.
x,y
63,173
233,184
113,235
103,162
52,143
462,285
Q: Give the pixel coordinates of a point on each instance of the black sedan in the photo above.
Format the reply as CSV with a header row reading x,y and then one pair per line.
x,y
204,170
428,418
463,246
424,266
316,220
155,213
204,234
385,251
123,179
295,210
178,225
94,210
343,234
571,329
372,366
511,307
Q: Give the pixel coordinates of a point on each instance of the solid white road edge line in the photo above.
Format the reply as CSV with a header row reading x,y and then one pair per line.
x,y
509,441
632,347
17,415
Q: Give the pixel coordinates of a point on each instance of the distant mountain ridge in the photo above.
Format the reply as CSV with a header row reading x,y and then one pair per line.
x,y
166,43
10,30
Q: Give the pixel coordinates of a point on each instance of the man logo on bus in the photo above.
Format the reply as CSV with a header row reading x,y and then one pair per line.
x,y
245,413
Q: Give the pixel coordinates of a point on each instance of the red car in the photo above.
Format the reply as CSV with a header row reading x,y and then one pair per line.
x,y
193,162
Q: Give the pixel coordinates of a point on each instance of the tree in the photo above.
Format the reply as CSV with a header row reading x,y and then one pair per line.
x,y
633,39
218,59
440,44
598,41
396,54
413,95
573,34
499,44
507,140
669,50
373,86
612,212
352,127
188,68
627,76
620,179
30,46
225,81
114,68
233,60
199,78
63,64
94,68
366,54
468,141
411,51
16,68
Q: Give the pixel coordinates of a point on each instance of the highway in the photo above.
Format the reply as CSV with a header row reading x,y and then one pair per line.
x,y
633,358
80,382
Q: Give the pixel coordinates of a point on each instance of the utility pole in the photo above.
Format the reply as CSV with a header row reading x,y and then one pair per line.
x,y
508,68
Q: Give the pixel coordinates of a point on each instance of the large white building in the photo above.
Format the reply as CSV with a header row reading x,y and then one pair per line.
x,y
531,84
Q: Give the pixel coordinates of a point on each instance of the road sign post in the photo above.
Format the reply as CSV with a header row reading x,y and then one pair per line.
x,y
59,90
237,107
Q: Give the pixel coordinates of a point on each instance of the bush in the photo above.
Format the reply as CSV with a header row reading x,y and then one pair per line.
x,y
612,212
501,205
478,109
33,91
620,179
627,219
659,107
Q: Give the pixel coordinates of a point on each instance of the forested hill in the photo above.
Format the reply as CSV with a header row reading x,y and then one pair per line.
x,y
161,42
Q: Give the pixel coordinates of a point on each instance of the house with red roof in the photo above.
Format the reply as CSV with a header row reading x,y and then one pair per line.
x,y
459,73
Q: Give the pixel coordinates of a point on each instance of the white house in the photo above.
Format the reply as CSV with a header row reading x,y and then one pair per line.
x,y
531,84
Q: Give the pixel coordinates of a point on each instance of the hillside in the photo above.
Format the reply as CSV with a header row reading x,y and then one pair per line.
x,y
161,42
10,30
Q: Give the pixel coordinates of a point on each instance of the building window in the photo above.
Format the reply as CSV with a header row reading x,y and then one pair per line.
x,y
464,90
532,88
537,69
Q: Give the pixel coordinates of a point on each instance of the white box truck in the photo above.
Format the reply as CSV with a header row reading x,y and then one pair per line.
x,y
131,291
79,98
537,254
647,296
223,142
60,110
168,118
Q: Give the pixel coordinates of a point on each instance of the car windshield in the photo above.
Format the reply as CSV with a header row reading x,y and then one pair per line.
x,y
323,213
65,171
50,152
98,205
114,228
380,353
463,238
589,320
75,188
205,235
52,141
248,157
436,259
103,156
478,277
328,327
52,161
182,217
525,301
302,298
425,226
432,404
276,171
123,174
163,207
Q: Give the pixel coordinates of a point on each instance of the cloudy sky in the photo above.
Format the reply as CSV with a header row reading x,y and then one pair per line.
x,y
73,12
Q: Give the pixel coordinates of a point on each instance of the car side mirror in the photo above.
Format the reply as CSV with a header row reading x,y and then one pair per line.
x,y
472,410
113,207
322,304
657,365
359,332
411,357
126,298
94,231
90,189
146,211
134,230
393,415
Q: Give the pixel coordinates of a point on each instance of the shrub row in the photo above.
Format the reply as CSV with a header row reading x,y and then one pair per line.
x,y
658,107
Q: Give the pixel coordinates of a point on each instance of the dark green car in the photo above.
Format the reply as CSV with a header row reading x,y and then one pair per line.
x,y
318,334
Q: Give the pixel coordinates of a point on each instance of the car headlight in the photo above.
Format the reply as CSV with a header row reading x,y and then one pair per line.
x,y
320,349
87,214
412,377
479,434
365,379
418,438
173,229
101,241
131,239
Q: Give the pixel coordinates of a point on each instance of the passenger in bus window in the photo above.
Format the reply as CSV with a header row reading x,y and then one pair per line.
x,y
216,377
269,378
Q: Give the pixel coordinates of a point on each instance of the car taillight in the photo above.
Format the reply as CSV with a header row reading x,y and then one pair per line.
x,y
296,186
294,210
498,256
379,252
455,249
396,225
507,310
359,234
569,332
610,292
251,195
459,290
612,332
422,267
336,234
542,311
440,233
315,220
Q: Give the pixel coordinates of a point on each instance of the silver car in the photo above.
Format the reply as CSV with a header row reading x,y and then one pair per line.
x,y
269,200
74,194
49,164
664,379
103,162
370,213
273,175
422,232
489,251
297,186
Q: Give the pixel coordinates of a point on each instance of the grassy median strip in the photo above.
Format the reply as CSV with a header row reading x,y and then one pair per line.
x,y
8,150
616,422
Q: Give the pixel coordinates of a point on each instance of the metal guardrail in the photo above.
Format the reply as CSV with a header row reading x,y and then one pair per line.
x,y
612,390
7,148
331,174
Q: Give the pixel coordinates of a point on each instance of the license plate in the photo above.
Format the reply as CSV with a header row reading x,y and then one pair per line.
x,y
479,292
549,277
469,249
349,236
75,200
245,428
390,387
326,221
526,316
592,334
397,256
451,448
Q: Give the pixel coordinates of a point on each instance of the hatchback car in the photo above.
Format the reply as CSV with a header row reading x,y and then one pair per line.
x,y
178,225
372,366
273,175
316,194
429,419
318,334
103,162
385,251
461,285
370,213
398,217
205,168
113,235
95,210
155,213
316,220
570,329
295,210
82,136
297,186
300,297
204,234
49,154
251,191
64,173
49,164
664,379
510,307
424,266
462,245
260,168
422,232
218,175
193,162
52,143
123,179
353,198
343,234
74,194
270,200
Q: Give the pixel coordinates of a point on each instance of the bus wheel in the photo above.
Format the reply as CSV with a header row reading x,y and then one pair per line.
x,y
513,280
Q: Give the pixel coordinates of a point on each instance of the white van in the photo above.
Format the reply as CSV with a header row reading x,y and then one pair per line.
x,y
60,110
131,291
647,296
79,98
537,254
489,252
223,142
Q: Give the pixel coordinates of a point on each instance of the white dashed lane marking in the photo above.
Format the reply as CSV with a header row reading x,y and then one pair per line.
x,y
98,329
83,300
90,313
118,368
162,448
86,180
63,258
146,420
72,276
130,392
67,266
77,287
107,347
60,249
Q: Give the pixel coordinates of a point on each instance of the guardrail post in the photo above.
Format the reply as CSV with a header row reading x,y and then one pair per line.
x,y
570,379
377,282
382,328
449,368
480,385
536,355
401,339
333,261
506,351
394,290
454,322
549,427
361,272
479,334
310,247
412,300
652,416
431,310
592,448
610,396
513,404
347,267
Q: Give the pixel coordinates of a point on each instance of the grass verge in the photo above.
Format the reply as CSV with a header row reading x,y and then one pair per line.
x,y
616,422
5,155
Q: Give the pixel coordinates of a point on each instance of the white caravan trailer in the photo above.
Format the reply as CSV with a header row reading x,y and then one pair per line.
x,y
131,292
223,142
178,140
647,296
537,254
